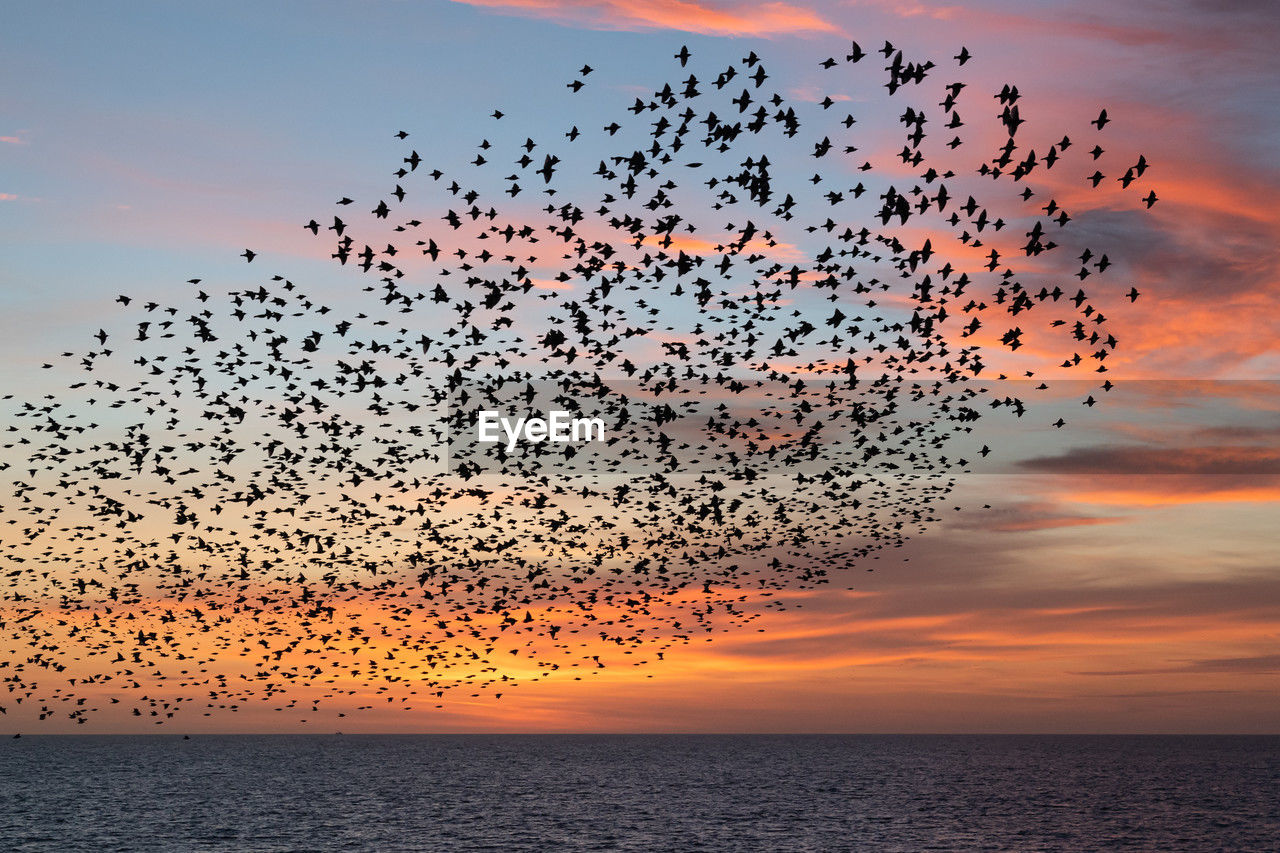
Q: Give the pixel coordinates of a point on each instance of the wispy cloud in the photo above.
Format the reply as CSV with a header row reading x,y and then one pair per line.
x,y
1028,516
1163,476
762,20
1251,664
1237,461
909,9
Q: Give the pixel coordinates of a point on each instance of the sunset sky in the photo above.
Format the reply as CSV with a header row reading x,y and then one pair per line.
x,y
1127,575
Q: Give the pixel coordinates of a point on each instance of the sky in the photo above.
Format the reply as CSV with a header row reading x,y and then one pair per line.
x,y
1123,581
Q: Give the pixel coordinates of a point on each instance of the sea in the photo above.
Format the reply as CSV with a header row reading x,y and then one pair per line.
x,y
551,793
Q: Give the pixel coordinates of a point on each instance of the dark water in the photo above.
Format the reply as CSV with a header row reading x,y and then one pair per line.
x,y
659,793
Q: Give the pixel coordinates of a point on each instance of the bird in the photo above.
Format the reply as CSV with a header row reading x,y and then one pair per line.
x,y
261,495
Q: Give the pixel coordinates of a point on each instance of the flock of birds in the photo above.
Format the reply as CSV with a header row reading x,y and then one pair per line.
x,y
269,495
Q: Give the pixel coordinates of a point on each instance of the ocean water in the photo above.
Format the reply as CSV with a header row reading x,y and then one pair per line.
x,y
644,792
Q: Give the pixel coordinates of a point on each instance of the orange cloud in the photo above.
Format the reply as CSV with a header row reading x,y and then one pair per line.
x,y
877,655
1230,461
1173,490
1161,476
726,19
698,246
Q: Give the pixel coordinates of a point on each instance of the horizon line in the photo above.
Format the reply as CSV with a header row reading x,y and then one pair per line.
x,y
189,734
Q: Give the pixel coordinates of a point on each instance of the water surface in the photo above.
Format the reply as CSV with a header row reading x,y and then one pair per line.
x,y
638,793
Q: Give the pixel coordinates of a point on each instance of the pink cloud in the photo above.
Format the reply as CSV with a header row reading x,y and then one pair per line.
x,y
907,9
718,19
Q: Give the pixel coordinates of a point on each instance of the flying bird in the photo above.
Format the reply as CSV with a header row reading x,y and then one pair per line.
x,y
264,494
